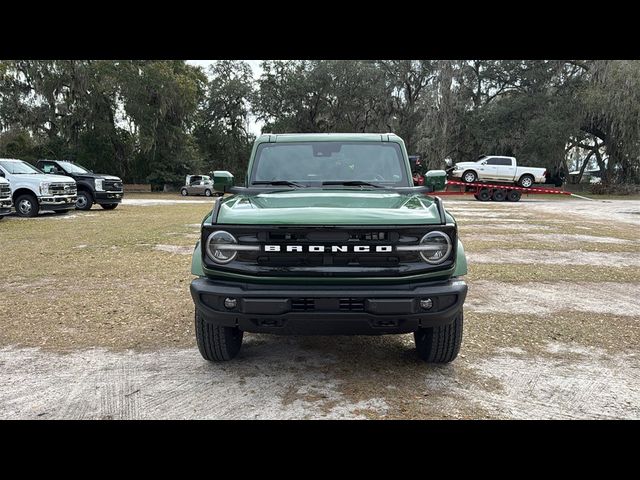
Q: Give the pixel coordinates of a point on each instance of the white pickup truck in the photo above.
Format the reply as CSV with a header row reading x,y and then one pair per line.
x,y
32,190
494,168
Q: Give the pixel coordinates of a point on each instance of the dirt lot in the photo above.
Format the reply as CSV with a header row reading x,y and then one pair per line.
x,y
97,322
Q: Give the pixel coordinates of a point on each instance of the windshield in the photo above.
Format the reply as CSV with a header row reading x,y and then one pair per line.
x,y
16,167
73,167
314,163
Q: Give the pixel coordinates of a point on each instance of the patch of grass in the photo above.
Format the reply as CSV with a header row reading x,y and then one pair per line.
x,y
510,243
485,332
573,227
506,272
93,278
602,229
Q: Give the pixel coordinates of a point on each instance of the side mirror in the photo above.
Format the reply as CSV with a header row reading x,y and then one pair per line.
x,y
222,180
435,179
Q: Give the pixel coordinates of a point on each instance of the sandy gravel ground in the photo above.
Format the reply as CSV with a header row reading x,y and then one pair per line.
x,y
558,344
555,257
552,297
289,378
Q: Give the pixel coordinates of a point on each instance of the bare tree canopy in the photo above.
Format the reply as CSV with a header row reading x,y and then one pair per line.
x,y
154,121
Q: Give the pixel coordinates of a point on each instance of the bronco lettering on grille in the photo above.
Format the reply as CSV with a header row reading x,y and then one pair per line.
x,y
329,248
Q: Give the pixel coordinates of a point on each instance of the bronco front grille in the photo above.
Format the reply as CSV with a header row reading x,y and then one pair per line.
x,y
346,262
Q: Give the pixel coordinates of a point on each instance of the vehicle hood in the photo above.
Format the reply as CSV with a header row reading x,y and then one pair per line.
x,y
466,164
329,207
98,175
43,177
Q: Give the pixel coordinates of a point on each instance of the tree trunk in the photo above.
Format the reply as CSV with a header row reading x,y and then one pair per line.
x,y
602,166
584,165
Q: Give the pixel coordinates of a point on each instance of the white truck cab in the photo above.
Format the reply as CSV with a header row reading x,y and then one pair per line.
x,y
33,191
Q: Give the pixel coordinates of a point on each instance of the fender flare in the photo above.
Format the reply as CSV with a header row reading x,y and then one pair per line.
x,y
461,261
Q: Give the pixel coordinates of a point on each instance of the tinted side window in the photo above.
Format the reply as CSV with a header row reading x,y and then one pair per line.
x,y
493,161
504,161
46,167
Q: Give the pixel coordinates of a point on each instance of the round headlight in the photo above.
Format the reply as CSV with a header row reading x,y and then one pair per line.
x,y
216,247
435,247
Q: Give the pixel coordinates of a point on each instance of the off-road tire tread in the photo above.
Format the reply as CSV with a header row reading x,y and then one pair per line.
x,y
213,342
440,344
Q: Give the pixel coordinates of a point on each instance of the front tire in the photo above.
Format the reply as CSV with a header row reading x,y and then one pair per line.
x,y
217,344
469,176
27,205
109,206
440,344
184,192
84,200
207,193
526,181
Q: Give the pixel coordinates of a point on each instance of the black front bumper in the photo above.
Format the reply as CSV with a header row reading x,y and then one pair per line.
x,y
328,310
105,198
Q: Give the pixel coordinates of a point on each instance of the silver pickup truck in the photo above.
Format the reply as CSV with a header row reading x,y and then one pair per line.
x,y
494,168
5,198
32,190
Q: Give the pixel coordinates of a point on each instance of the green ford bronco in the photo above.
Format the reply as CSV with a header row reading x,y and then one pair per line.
x,y
329,236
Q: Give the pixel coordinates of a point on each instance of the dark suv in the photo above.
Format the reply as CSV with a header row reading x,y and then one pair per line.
x,y
105,190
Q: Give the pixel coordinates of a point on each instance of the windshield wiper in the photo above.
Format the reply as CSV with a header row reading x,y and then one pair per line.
x,y
352,183
279,182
